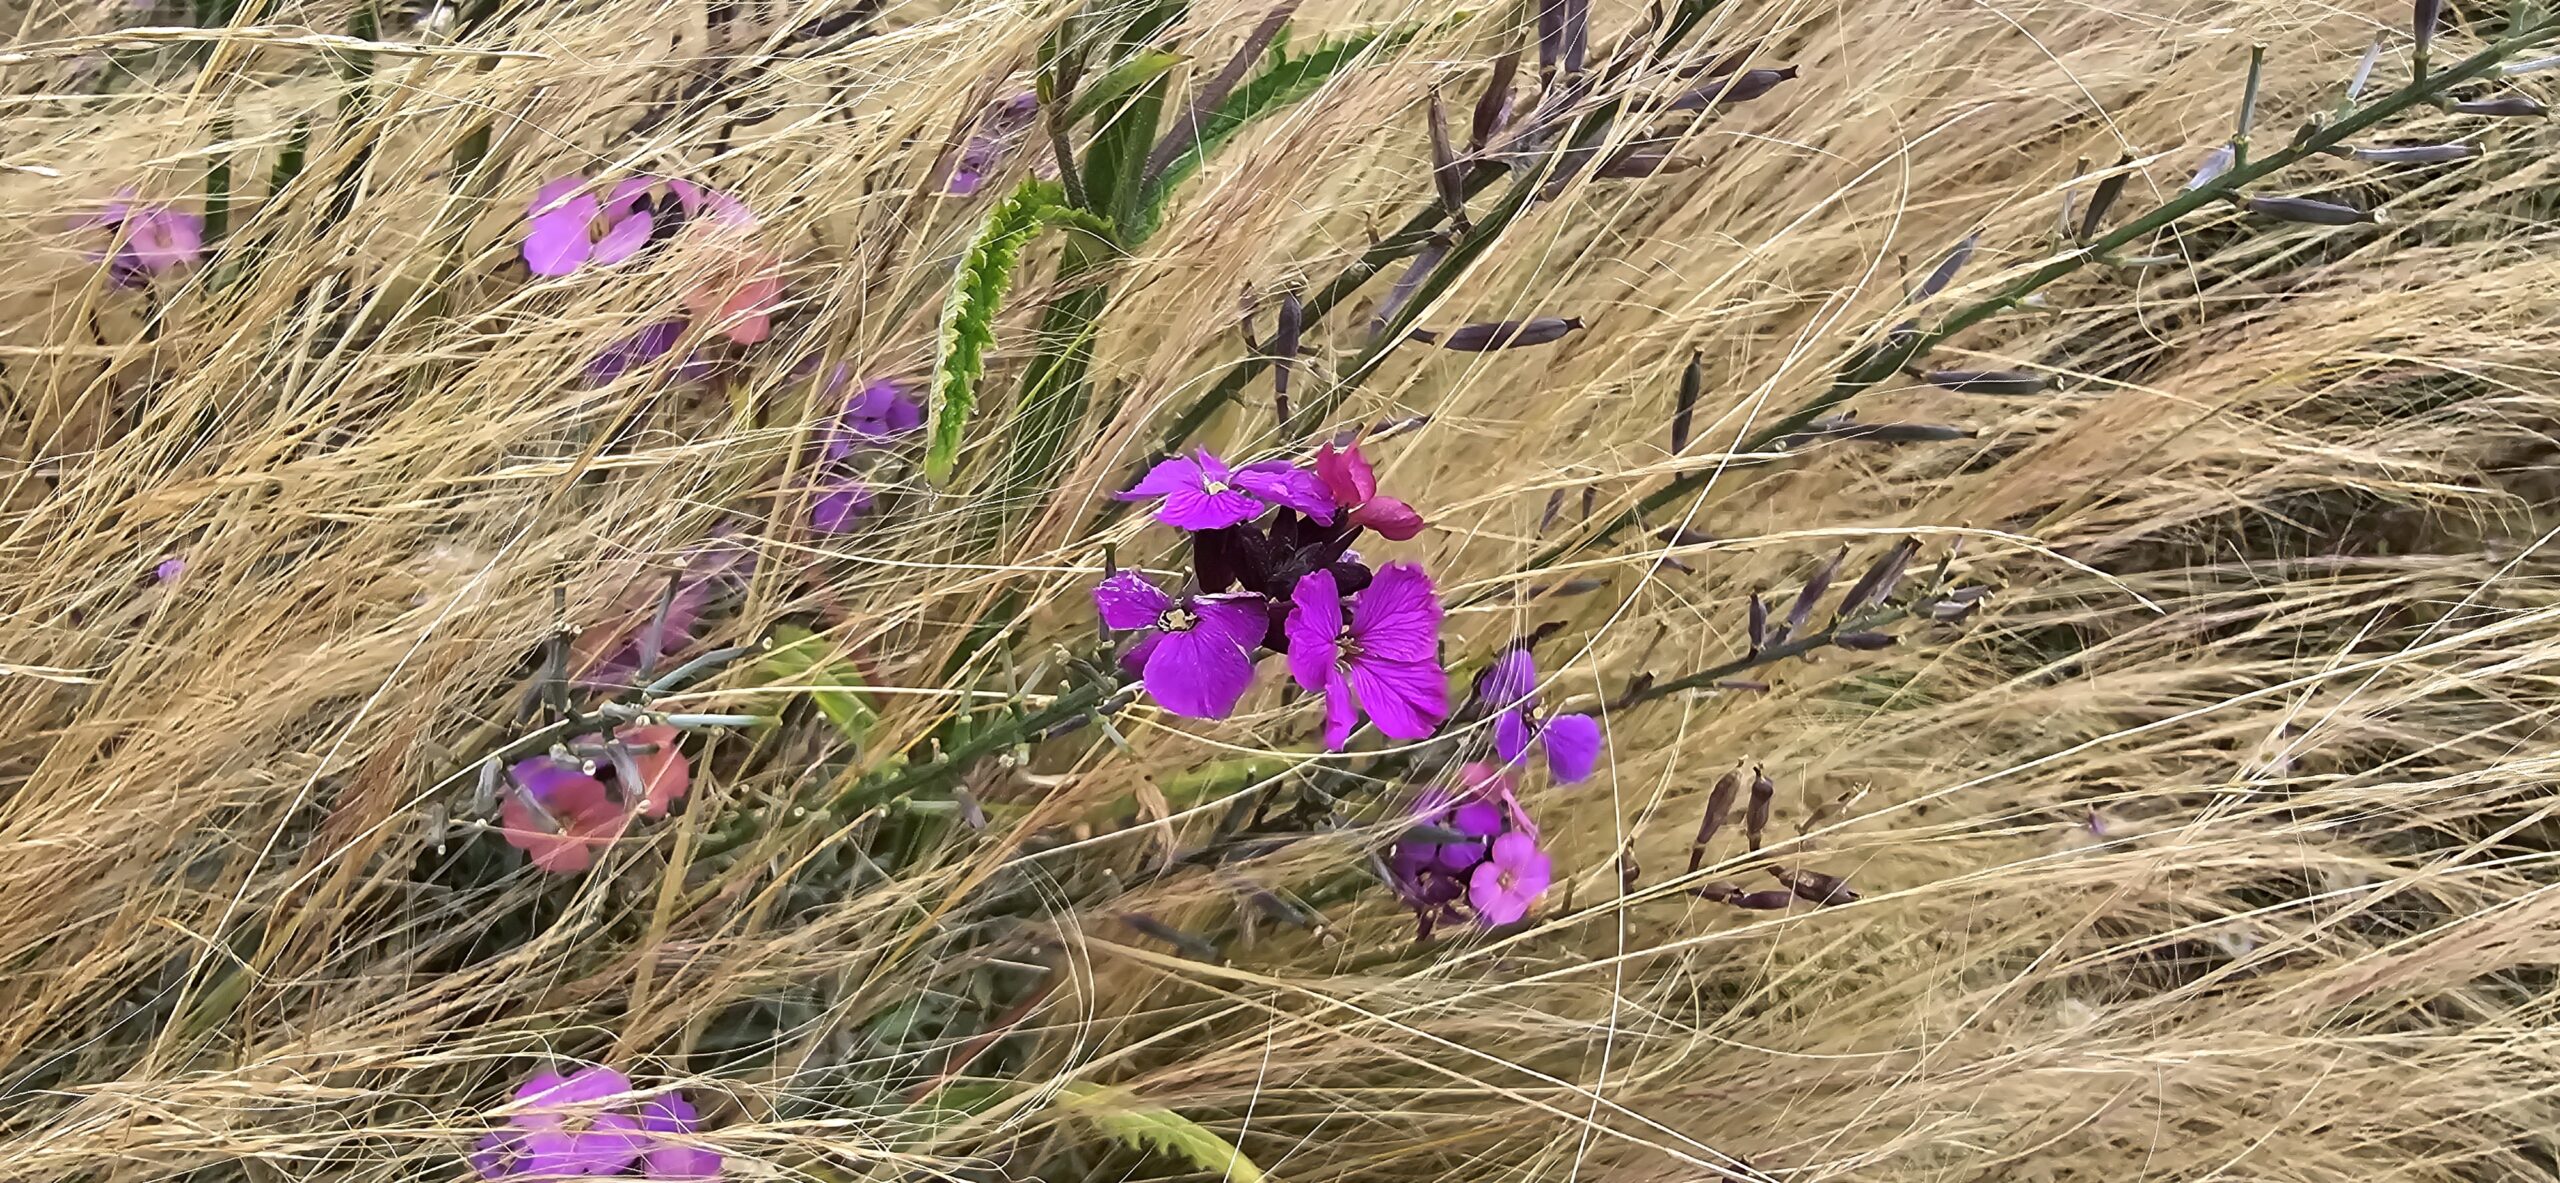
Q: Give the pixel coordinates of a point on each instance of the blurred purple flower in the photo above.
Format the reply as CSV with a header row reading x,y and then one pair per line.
x,y
668,1159
560,1130
169,569
877,413
1196,653
844,501
985,150
1386,663
634,351
569,228
1572,741
1202,493
1504,886
150,241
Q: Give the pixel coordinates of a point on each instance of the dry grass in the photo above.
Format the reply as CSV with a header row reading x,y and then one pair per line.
x,y
2276,612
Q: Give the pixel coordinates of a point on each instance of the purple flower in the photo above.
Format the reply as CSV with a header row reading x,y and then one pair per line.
x,y
1572,741
559,1130
984,152
1386,663
1504,886
1196,653
844,501
169,569
152,240
879,412
1201,493
568,228
634,351
668,1159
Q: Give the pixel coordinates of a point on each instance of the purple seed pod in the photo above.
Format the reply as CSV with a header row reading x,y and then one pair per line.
x,y
972,814
1493,107
2216,163
1628,871
1284,349
1722,891
1444,165
1719,806
1985,381
2422,24
2417,153
1636,164
1509,334
2364,69
1876,586
1555,506
1895,433
1816,888
2513,105
2535,66
2317,213
1864,641
1590,496
1550,34
1244,322
1946,272
1958,604
1758,629
1732,88
2104,199
1693,380
1575,31
1774,900
1582,586
1406,284
1746,685
1764,797
1683,536
1802,610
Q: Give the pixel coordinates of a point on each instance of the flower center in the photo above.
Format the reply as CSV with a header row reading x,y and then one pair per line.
x,y
1177,619
1215,487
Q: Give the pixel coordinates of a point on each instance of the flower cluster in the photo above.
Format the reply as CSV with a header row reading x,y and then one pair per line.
x,y
589,1124
873,419
568,804
569,228
1476,846
1273,569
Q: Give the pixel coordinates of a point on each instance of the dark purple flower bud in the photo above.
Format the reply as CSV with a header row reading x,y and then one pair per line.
x,y
1801,612
1509,334
1757,629
1876,586
1555,506
2417,153
1493,107
1814,887
2304,209
1764,798
2515,105
1947,268
2216,163
1719,806
1985,381
1864,641
1444,165
2422,24
1774,900
1693,380
1733,88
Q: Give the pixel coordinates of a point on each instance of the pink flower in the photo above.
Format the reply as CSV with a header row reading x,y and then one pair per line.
x,y
558,815
1194,654
150,241
561,1131
1504,885
1353,485
1386,663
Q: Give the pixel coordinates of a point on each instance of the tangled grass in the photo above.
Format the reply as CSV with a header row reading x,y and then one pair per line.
x,y
2216,845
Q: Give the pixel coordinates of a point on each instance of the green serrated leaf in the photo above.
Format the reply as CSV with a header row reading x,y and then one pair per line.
x,y
1114,87
969,318
1124,1116
798,658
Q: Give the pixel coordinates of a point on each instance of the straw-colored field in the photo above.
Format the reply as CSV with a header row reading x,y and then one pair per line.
x,y
2216,844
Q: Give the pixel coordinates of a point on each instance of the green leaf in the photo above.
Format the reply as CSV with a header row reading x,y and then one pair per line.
x,y
1286,81
1123,1116
798,658
1108,91
969,318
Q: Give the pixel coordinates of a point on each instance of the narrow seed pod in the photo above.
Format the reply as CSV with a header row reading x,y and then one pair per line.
x,y
2422,24
1816,888
1683,536
1814,589
1759,625
1864,641
1722,891
2216,163
1401,293
1444,164
1574,32
1774,900
2105,199
1509,334
2514,105
1876,586
1733,88
2535,66
1555,506
1493,107
1582,586
1764,797
1985,381
1195,948
1636,165
2417,153
1550,34
2317,213
1590,497
1898,433
2364,70
1719,805
1947,268
1693,381
1284,348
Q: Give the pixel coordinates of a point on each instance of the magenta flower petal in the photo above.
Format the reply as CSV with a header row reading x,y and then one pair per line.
x,y
1176,472
1314,629
676,1164
1494,904
162,241
1241,617
1283,483
1511,678
1531,872
582,1087
1127,601
494,1155
1397,617
1512,732
668,1113
1405,699
558,238
1207,509
844,504
1482,819
1573,747
1340,715
1198,672
1391,518
624,240
1347,476
639,349
626,196
1134,659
